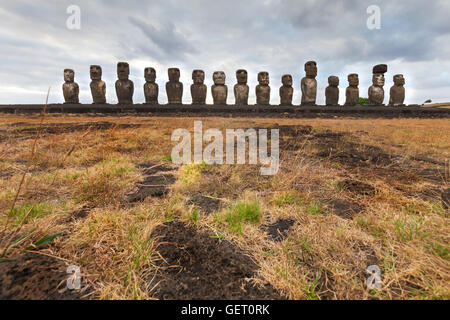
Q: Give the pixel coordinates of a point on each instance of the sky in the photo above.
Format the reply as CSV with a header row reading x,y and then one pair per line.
x,y
277,36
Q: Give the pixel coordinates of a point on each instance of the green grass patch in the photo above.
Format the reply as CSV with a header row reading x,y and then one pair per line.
x,y
409,229
242,212
283,199
315,207
440,251
191,172
167,158
28,212
193,216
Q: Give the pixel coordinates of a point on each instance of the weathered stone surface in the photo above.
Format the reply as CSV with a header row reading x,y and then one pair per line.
x,y
263,89
380,68
198,89
397,93
309,84
151,88
219,90
124,86
70,87
352,91
241,89
332,91
376,90
174,87
286,90
98,87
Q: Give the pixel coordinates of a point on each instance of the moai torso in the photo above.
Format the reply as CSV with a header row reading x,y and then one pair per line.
x,y
174,87
309,84
241,89
376,91
263,89
151,88
70,87
151,91
198,89
332,91
352,91
98,91
98,87
397,93
124,86
219,90
286,90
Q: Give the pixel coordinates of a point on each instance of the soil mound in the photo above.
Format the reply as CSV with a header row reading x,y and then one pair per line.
x,y
279,229
195,265
206,204
157,181
36,277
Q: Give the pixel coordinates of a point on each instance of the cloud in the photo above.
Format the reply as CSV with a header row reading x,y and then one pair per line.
x,y
169,42
277,36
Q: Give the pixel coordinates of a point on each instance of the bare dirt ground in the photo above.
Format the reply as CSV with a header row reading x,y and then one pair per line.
x,y
102,193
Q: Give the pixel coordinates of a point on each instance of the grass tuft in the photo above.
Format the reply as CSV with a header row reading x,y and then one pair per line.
x,y
243,212
28,212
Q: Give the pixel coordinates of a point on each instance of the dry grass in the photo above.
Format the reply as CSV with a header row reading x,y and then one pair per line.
x,y
324,256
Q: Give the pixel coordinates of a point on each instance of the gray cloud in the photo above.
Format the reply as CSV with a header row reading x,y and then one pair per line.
x,y
170,42
273,35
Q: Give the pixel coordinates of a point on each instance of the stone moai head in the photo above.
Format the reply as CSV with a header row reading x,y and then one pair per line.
x,y
263,78
123,70
311,69
219,78
378,80
198,76
69,75
378,74
353,80
286,80
150,74
399,80
333,81
241,76
96,72
174,74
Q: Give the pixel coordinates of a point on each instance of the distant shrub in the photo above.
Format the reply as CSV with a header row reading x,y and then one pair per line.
x,y
363,101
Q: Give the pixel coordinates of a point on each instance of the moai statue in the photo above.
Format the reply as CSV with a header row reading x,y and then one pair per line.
x,y
397,93
332,91
124,86
376,91
174,87
151,88
70,87
263,89
309,84
98,87
198,89
352,91
241,89
219,90
286,90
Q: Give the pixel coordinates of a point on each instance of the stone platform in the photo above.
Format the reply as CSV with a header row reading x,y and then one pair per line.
x,y
264,111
